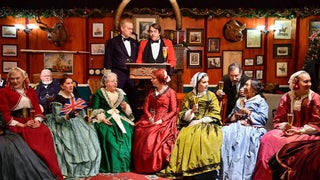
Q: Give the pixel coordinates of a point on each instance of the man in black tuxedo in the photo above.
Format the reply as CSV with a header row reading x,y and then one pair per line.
x,y
120,50
233,85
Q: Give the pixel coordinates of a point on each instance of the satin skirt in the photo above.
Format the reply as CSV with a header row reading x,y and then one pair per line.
x,y
196,151
19,162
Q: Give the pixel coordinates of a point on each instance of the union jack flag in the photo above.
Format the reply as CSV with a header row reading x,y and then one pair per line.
x,y
73,104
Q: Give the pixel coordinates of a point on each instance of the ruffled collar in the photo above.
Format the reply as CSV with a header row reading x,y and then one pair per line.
x,y
164,88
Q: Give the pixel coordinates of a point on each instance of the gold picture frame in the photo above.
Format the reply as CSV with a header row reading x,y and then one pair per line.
x,y
142,23
195,37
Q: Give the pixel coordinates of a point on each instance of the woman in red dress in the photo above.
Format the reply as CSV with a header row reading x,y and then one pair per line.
x,y
22,115
156,131
305,105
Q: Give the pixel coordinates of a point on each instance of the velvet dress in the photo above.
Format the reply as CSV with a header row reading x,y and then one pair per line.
x,y
297,160
17,160
13,105
273,140
153,143
241,142
76,141
197,147
115,140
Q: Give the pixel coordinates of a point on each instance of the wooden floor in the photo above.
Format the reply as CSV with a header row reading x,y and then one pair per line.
x,y
125,176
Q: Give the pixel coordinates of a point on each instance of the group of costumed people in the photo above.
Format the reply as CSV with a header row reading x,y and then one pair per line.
x,y
189,142
56,146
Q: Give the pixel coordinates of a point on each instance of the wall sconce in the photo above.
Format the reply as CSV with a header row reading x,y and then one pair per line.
x,y
263,29
27,29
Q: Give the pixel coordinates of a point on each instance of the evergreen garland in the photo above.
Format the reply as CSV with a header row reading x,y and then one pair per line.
x,y
313,53
168,12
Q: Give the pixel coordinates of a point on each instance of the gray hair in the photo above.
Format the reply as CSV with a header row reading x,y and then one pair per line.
x,y
105,78
46,70
234,66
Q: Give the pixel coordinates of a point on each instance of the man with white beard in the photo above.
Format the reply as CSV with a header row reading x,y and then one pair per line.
x,y
47,89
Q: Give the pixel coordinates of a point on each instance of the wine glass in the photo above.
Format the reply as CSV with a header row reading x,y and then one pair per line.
x,y
241,103
89,112
165,52
31,114
153,113
290,118
196,100
221,85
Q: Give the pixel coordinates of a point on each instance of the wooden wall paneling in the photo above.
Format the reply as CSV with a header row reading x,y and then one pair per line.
x,y
188,22
10,21
80,38
76,42
97,61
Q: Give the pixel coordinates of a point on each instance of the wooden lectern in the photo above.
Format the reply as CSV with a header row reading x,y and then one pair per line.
x,y
144,70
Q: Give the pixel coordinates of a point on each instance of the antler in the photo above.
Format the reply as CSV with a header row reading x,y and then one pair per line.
x,y
37,18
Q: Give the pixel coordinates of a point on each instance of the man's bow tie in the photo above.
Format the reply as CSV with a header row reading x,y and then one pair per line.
x,y
126,39
156,41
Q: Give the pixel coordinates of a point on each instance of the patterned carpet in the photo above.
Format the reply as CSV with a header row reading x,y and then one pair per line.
x,y
125,176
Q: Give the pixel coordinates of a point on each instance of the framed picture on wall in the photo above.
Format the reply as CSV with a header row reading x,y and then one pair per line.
x,y
254,38
259,74
282,51
9,32
314,26
97,29
248,62
7,65
248,73
281,69
214,62
142,24
59,62
231,56
97,49
283,30
195,37
259,60
213,44
194,59
9,50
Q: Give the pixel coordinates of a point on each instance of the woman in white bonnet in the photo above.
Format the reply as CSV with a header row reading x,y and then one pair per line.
x,y
305,105
196,154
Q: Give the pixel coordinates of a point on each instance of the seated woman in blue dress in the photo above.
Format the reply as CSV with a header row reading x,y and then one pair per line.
x,y
242,132
113,120
17,160
159,124
76,141
196,153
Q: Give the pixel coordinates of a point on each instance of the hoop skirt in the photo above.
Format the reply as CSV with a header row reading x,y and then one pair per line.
x,y
19,162
76,144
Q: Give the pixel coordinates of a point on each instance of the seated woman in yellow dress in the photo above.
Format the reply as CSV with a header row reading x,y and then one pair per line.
x,y
196,153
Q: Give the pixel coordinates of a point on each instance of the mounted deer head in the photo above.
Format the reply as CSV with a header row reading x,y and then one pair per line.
x,y
57,34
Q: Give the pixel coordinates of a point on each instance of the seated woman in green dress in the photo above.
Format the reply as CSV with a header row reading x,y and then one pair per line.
x,y
196,153
112,117
76,142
